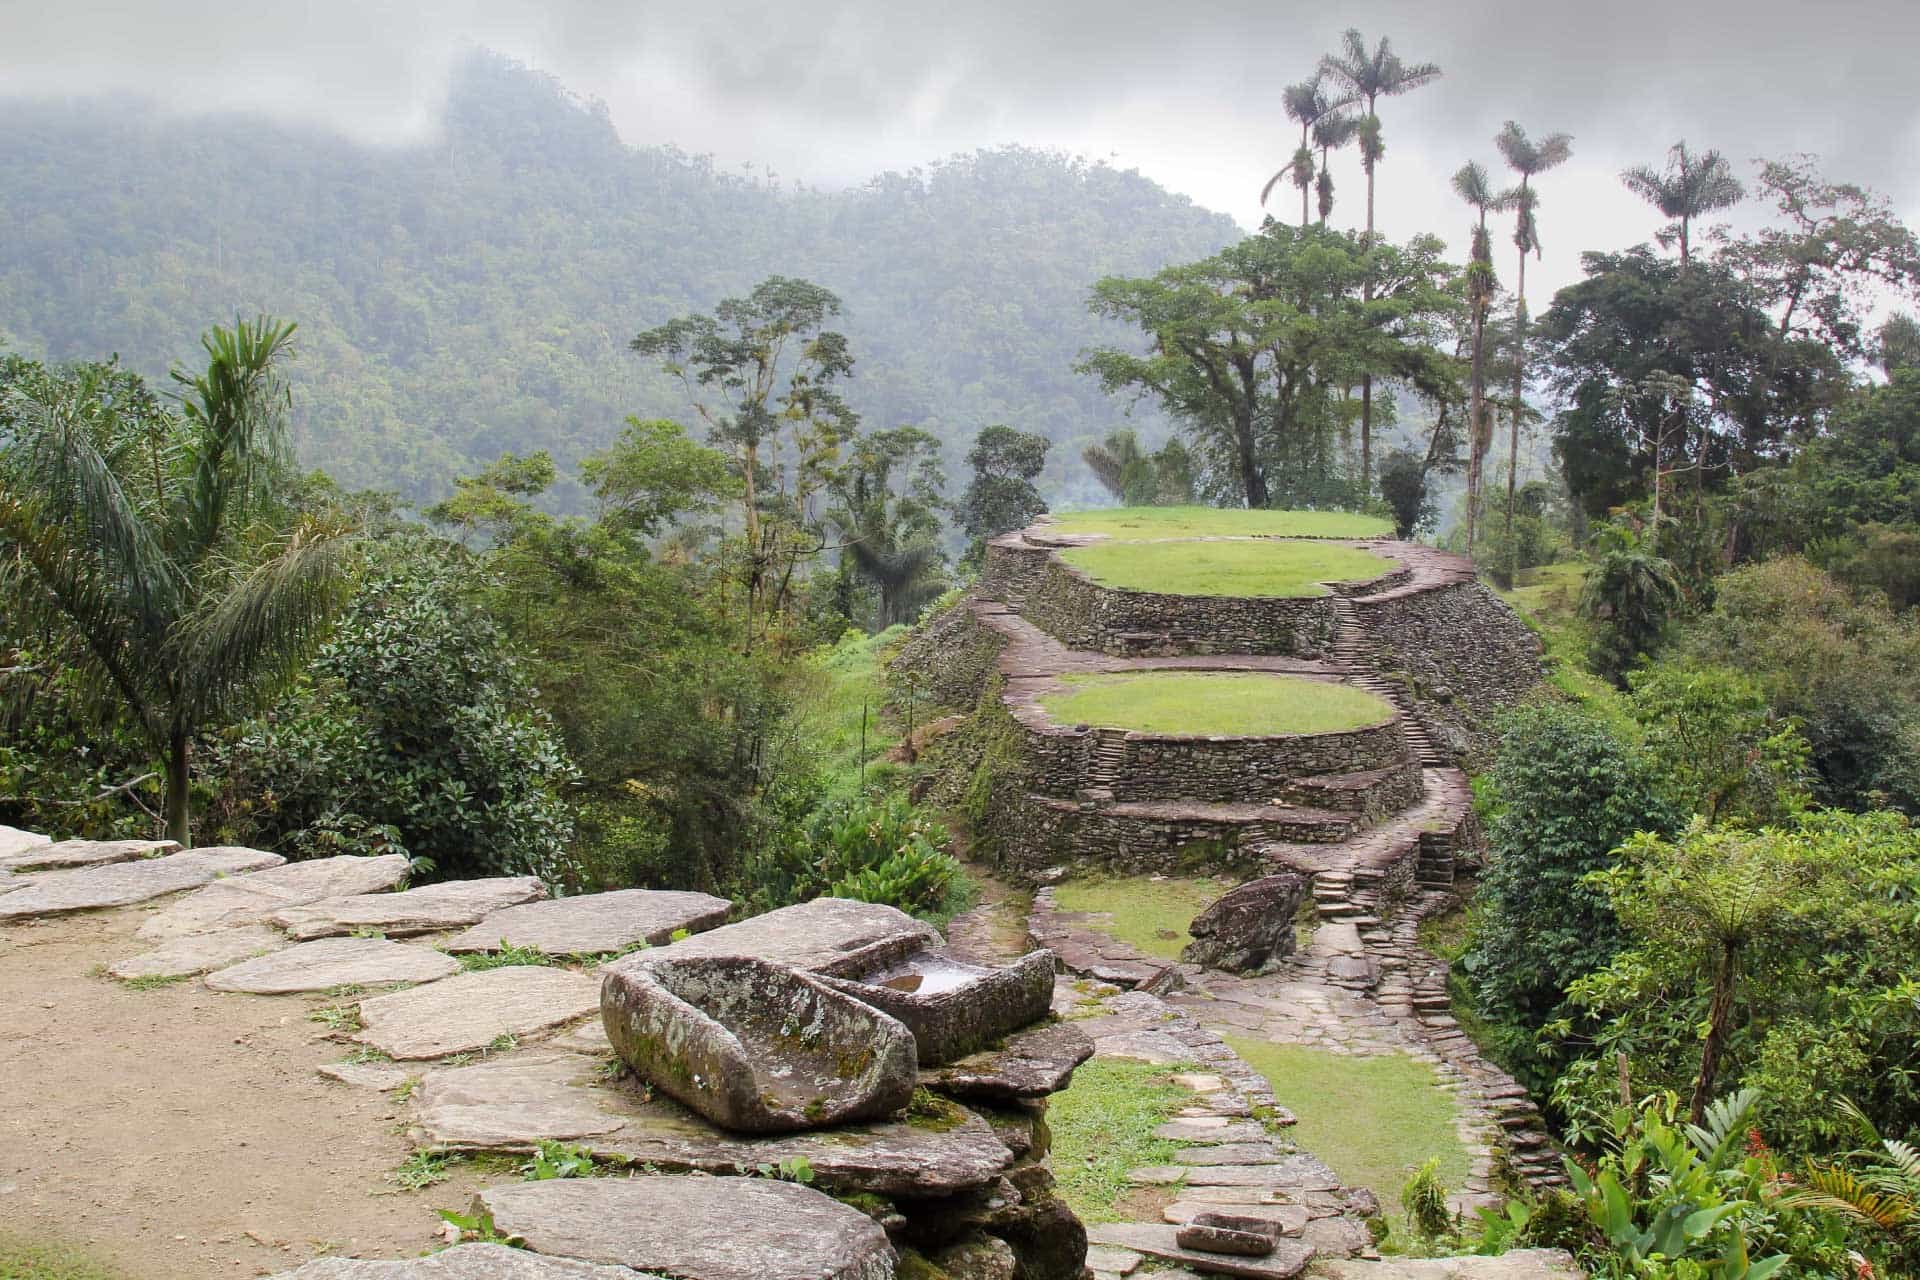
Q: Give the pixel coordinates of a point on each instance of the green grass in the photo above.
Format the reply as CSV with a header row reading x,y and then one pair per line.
x,y
1196,522
1103,1127
1213,702
1149,914
22,1259
842,682
1246,568
1373,1120
1548,600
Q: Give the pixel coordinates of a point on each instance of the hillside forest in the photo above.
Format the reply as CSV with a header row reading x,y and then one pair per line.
x,y
530,503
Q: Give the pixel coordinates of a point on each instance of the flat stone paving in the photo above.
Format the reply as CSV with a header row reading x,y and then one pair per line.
x,y
474,1010
125,883
596,923
67,854
834,936
334,962
200,952
253,899
453,904
463,1262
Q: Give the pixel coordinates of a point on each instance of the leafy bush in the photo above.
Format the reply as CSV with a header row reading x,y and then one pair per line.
x,y
874,849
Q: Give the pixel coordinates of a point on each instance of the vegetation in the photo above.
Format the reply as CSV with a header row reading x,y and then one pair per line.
x,y
1149,913
23,1259
1248,567
1203,702
1142,523
1375,1119
1103,1130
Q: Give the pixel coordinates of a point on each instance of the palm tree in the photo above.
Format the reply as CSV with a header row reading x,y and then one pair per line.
x,y
1473,186
1367,78
1306,102
1691,186
1526,158
1330,133
164,547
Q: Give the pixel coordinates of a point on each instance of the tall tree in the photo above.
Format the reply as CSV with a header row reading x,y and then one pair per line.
x,y
1528,159
1307,103
1691,185
1330,133
165,544
1001,498
1368,77
1472,185
890,519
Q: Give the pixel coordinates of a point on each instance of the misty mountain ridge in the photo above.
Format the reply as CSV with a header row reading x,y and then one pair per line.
x,y
475,293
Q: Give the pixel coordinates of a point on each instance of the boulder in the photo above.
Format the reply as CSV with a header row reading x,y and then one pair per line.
x,y
695,1228
452,904
199,952
226,904
515,1104
1029,1064
334,962
1248,926
595,923
471,1011
953,1007
125,883
757,1047
463,1262
834,936
68,854
1246,1237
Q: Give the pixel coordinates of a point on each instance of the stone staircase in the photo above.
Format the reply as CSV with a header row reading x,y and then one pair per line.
x,y
1355,649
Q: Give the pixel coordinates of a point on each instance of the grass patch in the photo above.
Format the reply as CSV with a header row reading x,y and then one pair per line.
x,y
22,1259
1373,1120
1224,702
1103,1127
505,958
840,682
1200,522
1149,914
1548,600
1254,568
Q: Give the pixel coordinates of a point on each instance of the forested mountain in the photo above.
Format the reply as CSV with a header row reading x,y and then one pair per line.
x,y
476,293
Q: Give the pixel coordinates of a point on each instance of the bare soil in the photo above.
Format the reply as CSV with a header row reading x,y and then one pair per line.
x,y
177,1133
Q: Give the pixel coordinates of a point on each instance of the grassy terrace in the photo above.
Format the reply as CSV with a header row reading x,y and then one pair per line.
x,y
1254,568
1148,914
1217,702
1200,522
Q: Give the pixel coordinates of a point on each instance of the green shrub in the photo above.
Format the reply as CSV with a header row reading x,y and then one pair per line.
x,y
876,849
1424,1199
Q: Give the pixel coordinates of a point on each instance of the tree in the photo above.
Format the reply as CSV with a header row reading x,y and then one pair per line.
x,y
1001,498
761,372
1119,464
1690,187
1711,731
1633,595
890,519
1899,344
1368,77
1307,103
1470,182
165,544
1403,486
1330,133
1528,159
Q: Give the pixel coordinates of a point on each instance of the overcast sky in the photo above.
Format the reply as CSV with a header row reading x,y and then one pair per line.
x,y
1187,92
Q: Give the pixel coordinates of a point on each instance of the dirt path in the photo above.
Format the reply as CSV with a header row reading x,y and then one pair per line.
x,y
181,1134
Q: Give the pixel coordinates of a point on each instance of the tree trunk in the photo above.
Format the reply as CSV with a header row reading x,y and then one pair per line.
x,y
1366,379
1719,1023
178,806
1304,186
1250,477
1475,419
1519,386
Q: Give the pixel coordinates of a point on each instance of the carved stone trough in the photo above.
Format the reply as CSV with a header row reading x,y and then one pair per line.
x,y
757,1047
952,1007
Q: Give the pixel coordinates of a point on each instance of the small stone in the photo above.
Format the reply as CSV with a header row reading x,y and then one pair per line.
x,y
1157,1175
987,1258
595,923
1200,1083
451,904
472,1010
68,854
334,962
463,1262
1112,1261
1210,1129
1207,1238
696,1228
124,883
953,1007
197,953
1231,1153
1279,1219
366,1075
1156,1240
1030,1064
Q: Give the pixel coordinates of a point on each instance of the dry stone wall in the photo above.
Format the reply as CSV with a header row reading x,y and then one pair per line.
x,y
950,659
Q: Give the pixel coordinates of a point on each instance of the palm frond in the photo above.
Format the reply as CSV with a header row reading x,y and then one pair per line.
x,y
1725,1124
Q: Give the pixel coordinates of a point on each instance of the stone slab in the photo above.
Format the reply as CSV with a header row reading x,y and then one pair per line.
x,y
125,883
517,1103
834,936
1211,1129
334,962
453,904
463,1262
68,854
696,1228
1287,1219
1231,1153
366,1075
1295,1173
15,841
255,899
1112,1261
1157,1240
199,952
589,1037
1029,1064
1515,1264
471,1011
596,923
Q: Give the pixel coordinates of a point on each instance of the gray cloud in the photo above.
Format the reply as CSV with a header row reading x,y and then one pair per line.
x,y
829,93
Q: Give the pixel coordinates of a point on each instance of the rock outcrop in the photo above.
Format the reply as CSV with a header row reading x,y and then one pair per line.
x,y
1248,926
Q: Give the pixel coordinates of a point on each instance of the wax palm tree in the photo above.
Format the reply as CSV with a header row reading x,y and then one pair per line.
x,y
164,547
1330,133
1306,103
1472,185
1366,77
1528,159
1692,185
1633,594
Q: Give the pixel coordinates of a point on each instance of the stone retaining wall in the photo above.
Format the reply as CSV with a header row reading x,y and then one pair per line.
x,y
950,658
1468,655
1083,615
